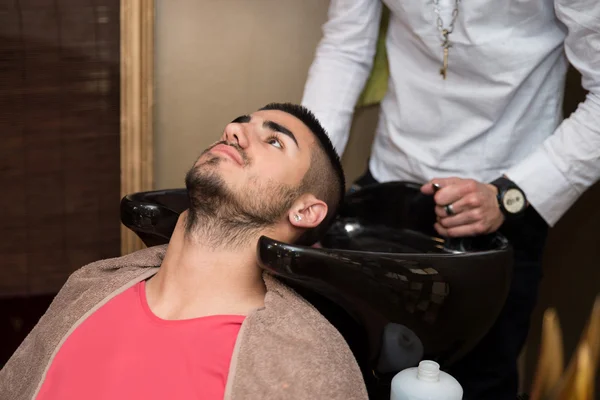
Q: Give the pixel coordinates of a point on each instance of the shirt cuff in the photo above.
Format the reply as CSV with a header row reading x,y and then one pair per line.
x,y
548,191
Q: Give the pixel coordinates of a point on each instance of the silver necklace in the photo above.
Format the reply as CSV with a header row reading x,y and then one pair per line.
x,y
445,32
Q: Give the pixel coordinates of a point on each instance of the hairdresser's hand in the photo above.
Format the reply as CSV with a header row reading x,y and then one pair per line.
x,y
465,207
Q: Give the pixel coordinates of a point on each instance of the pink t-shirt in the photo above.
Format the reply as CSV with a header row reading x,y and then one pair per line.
x,y
124,351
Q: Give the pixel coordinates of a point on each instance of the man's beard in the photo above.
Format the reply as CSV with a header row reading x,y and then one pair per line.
x,y
219,217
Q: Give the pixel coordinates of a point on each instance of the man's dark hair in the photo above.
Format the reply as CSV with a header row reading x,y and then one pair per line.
x,y
325,176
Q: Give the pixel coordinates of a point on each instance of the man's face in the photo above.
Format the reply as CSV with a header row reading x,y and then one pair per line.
x,y
255,170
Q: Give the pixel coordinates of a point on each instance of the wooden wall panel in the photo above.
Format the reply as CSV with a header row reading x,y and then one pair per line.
x,y
137,102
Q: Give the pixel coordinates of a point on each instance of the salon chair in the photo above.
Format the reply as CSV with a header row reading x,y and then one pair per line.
x,y
383,277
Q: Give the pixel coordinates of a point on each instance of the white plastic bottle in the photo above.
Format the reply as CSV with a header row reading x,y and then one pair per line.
x,y
425,382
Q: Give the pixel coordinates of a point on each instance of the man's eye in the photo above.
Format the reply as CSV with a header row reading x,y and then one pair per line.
x,y
275,142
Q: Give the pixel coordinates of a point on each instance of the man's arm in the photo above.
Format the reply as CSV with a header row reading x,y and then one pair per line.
x,y
568,163
556,174
342,65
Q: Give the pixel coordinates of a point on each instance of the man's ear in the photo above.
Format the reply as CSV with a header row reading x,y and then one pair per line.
x,y
308,212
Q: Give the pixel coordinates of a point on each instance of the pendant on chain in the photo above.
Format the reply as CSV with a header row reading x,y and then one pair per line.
x,y
446,45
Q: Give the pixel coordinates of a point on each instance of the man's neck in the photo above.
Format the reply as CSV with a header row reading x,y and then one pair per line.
x,y
196,280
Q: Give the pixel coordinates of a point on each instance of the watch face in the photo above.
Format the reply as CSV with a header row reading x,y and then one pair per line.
x,y
513,201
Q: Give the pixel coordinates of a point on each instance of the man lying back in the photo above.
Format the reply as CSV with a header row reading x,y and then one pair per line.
x,y
207,324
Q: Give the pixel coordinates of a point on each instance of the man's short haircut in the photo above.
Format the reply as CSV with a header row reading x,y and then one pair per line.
x,y
325,176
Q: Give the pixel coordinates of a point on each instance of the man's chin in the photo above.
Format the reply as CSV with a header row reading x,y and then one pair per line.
x,y
213,178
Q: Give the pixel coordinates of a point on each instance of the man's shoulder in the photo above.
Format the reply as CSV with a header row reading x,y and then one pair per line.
x,y
93,283
305,353
86,288
300,316
138,260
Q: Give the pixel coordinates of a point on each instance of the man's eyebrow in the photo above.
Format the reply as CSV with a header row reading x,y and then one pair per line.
x,y
274,126
243,119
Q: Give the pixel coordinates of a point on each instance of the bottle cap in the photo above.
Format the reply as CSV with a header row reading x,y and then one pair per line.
x,y
428,371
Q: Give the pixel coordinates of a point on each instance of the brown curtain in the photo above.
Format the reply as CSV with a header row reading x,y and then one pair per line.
x,y
59,140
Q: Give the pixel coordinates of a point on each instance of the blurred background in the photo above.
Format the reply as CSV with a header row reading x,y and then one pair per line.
x,y
214,60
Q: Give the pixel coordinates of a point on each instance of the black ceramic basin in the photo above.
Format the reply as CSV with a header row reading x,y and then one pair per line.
x,y
153,215
394,289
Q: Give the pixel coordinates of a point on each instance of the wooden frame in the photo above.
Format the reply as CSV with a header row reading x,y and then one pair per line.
x,y
137,100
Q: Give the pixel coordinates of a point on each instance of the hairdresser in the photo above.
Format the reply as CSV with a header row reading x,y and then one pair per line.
x,y
473,103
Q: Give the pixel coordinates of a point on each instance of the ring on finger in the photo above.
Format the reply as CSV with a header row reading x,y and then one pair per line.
x,y
449,210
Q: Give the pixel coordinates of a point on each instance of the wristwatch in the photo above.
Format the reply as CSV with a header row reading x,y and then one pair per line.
x,y
511,199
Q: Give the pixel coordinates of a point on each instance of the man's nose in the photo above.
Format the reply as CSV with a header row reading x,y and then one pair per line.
x,y
237,133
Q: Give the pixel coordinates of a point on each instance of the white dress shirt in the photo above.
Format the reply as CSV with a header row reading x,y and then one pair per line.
x,y
498,112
